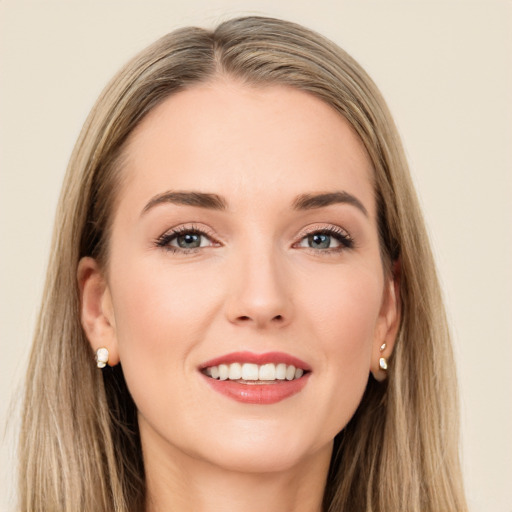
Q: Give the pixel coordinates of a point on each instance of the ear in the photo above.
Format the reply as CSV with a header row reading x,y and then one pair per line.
x,y
388,323
97,313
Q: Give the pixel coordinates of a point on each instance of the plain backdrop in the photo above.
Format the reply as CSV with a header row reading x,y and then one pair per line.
x,y
445,68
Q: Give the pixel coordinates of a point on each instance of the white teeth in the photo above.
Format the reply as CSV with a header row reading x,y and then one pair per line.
x,y
250,371
267,372
254,372
281,371
223,371
235,371
290,372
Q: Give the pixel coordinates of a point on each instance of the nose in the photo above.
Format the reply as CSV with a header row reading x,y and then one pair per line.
x,y
259,292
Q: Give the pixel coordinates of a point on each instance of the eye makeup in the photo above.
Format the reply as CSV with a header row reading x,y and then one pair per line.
x,y
323,239
186,239
318,239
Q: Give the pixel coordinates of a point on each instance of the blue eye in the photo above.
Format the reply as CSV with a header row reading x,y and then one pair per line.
x,y
327,239
319,241
184,240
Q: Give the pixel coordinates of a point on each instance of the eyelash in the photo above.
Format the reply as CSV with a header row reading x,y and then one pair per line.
x,y
164,241
340,235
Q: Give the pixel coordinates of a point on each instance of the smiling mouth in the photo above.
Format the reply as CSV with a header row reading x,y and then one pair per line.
x,y
251,378
250,373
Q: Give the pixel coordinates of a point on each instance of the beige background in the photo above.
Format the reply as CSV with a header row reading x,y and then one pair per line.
x,y
445,68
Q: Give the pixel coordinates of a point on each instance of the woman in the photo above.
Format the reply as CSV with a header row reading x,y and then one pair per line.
x,y
239,245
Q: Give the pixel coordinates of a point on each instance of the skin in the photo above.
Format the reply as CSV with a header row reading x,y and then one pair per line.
x,y
254,285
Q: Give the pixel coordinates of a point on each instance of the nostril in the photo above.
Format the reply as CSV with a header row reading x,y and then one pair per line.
x,y
278,317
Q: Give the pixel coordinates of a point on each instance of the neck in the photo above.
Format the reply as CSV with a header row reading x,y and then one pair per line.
x,y
181,483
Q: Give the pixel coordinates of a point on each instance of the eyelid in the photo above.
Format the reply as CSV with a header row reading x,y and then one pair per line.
x,y
315,228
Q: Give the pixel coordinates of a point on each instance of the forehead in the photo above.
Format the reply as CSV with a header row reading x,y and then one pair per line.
x,y
243,142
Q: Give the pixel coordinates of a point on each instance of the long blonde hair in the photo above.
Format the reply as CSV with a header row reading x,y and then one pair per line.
x,y
79,445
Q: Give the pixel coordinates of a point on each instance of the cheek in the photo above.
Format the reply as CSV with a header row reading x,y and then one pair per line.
x,y
161,315
344,318
345,309
159,301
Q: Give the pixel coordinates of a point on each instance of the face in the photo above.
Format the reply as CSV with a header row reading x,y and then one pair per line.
x,y
245,294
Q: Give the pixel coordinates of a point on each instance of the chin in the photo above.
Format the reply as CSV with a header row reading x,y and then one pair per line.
x,y
261,462
264,451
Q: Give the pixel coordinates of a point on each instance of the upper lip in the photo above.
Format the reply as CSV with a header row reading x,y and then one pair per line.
x,y
251,357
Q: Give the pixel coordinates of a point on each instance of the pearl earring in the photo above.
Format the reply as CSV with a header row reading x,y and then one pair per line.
x,y
383,362
101,357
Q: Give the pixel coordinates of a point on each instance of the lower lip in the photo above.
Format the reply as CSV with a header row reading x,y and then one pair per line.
x,y
262,394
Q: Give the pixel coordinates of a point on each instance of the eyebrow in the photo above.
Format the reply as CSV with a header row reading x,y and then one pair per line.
x,y
200,199
216,202
313,201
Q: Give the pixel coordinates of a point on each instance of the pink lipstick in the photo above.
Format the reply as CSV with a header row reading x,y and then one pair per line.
x,y
256,378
